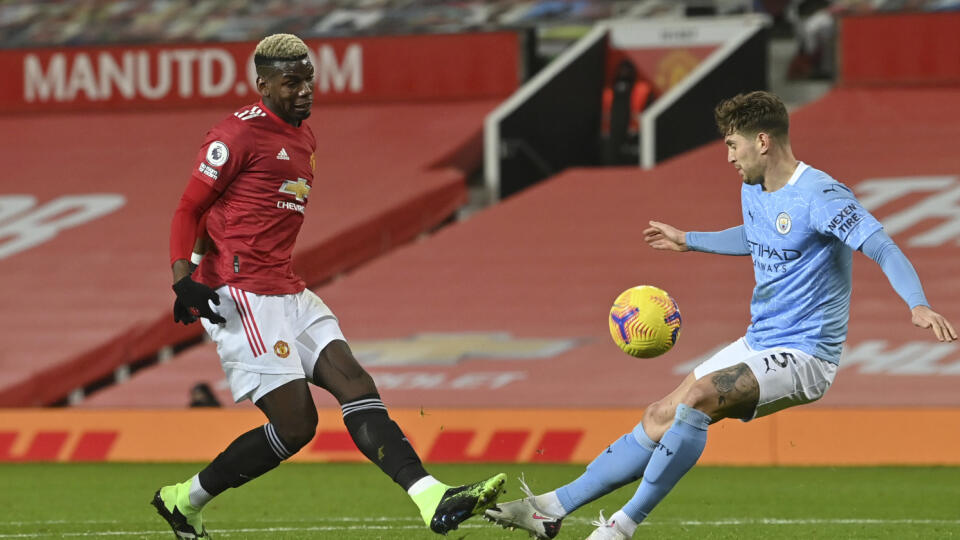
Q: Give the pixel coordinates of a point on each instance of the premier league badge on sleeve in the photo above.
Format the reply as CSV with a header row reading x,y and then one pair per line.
x,y
783,223
217,153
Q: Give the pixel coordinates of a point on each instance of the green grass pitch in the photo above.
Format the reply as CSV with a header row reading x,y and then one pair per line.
x,y
357,502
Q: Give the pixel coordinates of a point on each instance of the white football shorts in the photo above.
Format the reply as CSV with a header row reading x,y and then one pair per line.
x,y
269,340
787,377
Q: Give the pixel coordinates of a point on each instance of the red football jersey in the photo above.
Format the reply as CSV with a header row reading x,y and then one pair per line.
x,y
263,169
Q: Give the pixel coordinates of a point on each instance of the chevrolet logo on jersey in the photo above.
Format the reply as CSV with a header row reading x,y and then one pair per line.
x,y
298,189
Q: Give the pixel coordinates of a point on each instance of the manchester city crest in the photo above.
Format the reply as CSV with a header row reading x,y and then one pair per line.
x,y
783,223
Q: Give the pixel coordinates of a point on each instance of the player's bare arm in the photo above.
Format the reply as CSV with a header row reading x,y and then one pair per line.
x,y
202,245
924,317
663,236
181,269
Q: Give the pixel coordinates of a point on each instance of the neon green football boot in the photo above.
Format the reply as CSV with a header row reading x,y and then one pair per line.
x,y
444,508
173,505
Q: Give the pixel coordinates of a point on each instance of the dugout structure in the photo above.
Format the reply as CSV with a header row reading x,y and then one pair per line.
x,y
682,118
553,121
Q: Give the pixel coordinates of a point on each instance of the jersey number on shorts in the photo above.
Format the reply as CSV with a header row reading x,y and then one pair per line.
x,y
785,356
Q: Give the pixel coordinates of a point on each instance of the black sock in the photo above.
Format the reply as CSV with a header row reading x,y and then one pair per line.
x,y
250,455
380,439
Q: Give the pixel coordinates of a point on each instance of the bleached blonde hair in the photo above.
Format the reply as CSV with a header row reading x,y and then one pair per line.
x,y
280,47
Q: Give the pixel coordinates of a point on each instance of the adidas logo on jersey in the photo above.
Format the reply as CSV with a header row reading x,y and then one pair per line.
x,y
283,154
252,112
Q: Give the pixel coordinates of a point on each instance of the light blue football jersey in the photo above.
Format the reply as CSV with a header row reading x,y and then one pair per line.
x,y
801,239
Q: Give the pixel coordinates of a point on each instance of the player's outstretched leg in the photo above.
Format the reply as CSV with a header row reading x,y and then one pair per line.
x,y
441,506
381,440
173,505
619,464
678,450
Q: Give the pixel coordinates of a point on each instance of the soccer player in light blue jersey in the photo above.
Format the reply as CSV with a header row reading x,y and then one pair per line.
x,y
800,226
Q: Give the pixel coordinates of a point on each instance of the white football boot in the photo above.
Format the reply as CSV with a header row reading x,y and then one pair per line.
x,y
525,515
607,530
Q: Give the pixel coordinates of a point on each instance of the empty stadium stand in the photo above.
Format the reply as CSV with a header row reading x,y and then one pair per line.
x,y
87,298
508,309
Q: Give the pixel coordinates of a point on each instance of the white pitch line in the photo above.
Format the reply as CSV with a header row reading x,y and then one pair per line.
x,y
266,520
811,521
371,527
227,532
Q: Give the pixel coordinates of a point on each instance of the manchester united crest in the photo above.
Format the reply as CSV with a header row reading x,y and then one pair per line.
x,y
281,349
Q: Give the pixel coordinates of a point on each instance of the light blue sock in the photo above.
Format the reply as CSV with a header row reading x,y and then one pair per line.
x,y
621,463
679,449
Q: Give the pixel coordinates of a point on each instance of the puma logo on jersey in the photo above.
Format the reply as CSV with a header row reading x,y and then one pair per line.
x,y
283,154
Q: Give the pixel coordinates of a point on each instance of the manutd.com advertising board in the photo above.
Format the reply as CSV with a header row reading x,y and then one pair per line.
x,y
397,68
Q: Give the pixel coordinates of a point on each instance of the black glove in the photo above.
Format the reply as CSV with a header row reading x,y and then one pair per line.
x,y
181,314
193,297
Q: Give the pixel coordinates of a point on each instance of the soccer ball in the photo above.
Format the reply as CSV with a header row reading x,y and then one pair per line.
x,y
644,321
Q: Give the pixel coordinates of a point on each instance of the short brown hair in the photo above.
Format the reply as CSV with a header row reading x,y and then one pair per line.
x,y
752,113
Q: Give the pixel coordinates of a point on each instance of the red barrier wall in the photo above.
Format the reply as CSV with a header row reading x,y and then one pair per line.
x,y
847,436
902,49
349,70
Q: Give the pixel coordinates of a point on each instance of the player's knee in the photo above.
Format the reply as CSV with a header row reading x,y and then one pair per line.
x,y
700,398
298,433
343,376
658,413
295,440
337,364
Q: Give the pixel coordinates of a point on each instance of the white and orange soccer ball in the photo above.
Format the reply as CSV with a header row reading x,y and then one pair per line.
x,y
644,321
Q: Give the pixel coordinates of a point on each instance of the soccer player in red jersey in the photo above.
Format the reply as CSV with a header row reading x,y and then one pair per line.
x,y
252,179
